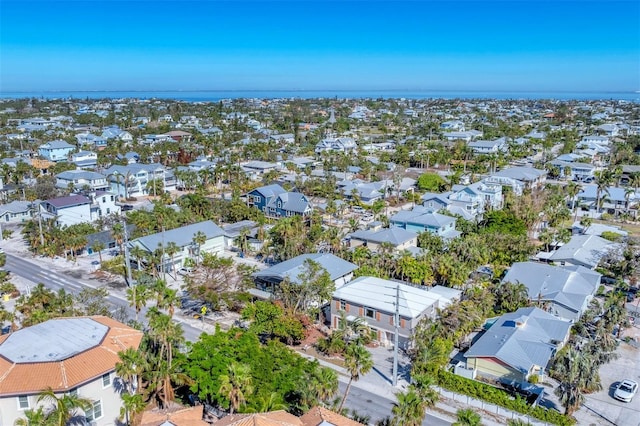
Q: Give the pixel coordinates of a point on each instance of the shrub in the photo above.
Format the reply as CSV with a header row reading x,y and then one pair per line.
x,y
500,397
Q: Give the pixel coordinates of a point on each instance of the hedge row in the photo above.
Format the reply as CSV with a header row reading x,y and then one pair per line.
x,y
499,397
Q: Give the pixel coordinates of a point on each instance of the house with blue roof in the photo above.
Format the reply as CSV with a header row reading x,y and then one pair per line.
x,y
55,151
423,219
275,202
184,238
518,345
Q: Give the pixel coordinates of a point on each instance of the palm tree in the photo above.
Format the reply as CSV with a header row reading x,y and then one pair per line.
x,y
33,418
199,238
171,250
97,247
138,253
573,189
577,375
236,385
423,386
138,295
325,383
130,368
132,405
409,410
467,417
65,407
357,361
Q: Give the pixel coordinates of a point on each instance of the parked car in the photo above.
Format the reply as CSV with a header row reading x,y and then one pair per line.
x,y
126,207
626,390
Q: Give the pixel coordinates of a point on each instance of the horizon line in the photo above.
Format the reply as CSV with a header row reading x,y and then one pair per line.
x,y
315,90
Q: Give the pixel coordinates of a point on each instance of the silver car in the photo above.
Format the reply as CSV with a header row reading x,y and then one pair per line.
x,y
626,390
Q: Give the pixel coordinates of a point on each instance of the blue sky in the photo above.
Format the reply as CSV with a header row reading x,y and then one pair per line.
x,y
514,45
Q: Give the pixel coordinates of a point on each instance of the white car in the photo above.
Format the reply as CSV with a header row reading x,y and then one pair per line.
x,y
626,390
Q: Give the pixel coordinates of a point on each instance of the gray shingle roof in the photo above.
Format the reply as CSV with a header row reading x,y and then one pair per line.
x,y
522,339
568,286
291,201
586,250
335,266
422,216
524,174
393,235
181,236
270,190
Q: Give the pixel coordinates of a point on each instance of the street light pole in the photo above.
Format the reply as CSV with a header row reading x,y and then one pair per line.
x,y
126,253
396,321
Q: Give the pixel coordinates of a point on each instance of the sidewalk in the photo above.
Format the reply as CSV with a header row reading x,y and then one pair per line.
x,y
445,408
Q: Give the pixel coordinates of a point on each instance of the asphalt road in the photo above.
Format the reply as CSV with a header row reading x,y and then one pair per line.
x,y
377,407
364,402
54,280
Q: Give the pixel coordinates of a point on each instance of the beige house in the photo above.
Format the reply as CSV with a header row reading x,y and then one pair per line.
x,y
69,355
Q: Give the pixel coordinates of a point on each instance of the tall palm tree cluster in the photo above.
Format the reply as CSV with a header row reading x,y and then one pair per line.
x,y
592,345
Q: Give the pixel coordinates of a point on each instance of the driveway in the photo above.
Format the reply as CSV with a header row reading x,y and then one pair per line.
x,y
627,366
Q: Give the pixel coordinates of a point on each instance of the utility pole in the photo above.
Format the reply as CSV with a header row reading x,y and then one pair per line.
x,y
126,252
40,226
396,321
164,269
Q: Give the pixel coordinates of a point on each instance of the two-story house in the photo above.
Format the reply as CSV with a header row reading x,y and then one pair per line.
x,y
90,139
77,208
518,178
85,159
82,180
69,356
132,180
55,151
375,301
276,202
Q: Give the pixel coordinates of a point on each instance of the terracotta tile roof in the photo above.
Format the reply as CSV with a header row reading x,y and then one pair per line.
x,y
19,378
317,415
191,416
273,418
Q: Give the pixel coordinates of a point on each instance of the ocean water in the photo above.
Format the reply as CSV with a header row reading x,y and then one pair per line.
x,y
217,95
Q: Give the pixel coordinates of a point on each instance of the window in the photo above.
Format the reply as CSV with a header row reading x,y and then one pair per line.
x,y
343,305
256,198
73,392
106,380
104,199
23,402
95,412
369,313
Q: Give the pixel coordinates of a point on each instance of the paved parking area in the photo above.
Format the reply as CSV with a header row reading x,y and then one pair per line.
x,y
627,366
